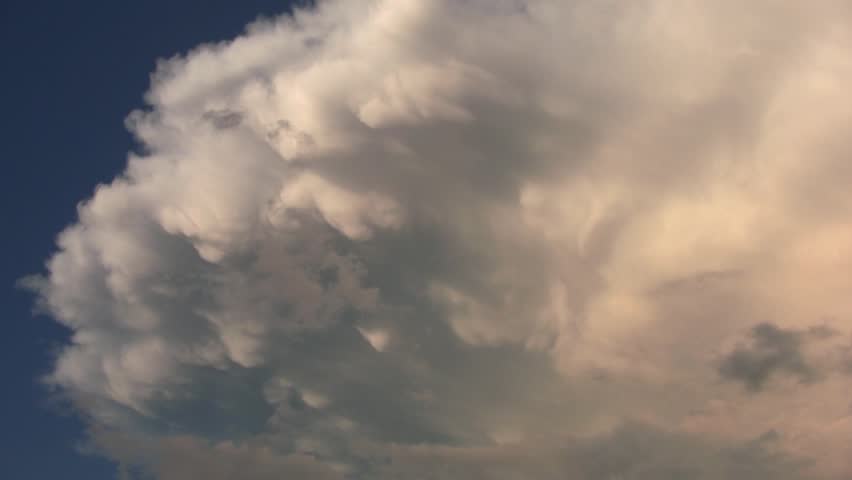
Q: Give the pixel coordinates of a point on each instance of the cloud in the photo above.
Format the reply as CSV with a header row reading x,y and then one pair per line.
x,y
181,457
633,451
808,355
444,231
773,350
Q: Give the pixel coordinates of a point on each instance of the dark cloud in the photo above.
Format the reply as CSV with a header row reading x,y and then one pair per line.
x,y
223,119
633,451
771,351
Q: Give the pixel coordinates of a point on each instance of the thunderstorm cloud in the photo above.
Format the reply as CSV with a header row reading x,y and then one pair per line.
x,y
477,239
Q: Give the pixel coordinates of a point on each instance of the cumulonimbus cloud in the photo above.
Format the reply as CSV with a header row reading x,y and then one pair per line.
x,y
377,236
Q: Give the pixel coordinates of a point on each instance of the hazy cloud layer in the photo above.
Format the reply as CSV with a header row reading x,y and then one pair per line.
x,y
477,239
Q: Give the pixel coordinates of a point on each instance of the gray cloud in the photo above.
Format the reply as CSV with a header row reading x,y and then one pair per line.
x,y
633,451
808,355
773,351
181,457
465,232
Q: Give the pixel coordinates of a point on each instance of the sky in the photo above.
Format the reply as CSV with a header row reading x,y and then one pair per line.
x,y
390,239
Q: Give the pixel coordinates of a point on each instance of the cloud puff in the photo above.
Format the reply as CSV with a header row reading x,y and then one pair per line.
x,y
773,350
429,231
807,355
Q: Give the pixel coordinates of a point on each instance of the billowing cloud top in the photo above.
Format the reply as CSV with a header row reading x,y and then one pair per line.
x,y
480,239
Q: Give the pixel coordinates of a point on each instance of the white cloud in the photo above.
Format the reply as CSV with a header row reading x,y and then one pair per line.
x,y
377,338
560,215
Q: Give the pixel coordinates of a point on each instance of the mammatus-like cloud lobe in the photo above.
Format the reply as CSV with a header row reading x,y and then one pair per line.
x,y
482,239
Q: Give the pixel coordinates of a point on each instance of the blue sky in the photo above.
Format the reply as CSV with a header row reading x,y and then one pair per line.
x,y
72,72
